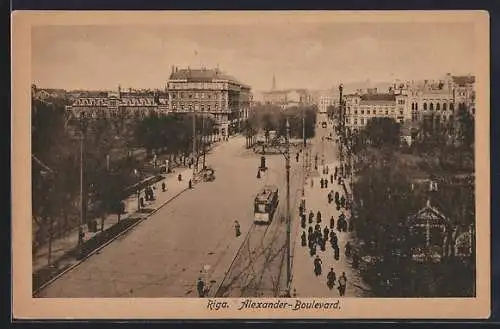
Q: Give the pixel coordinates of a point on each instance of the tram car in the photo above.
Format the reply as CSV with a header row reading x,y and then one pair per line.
x,y
265,204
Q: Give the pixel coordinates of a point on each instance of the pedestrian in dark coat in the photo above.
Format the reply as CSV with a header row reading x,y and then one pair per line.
x,y
304,239
326,233
342,201
331,178
322,244
310,230
303,221
342,284
318,217
332,222
337,252
200,286
311,217
326,183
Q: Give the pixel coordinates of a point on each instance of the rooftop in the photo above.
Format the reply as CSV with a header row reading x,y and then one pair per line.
x,y
464,80
202,75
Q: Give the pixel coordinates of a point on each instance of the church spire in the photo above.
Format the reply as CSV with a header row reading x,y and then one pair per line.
x,y
274,82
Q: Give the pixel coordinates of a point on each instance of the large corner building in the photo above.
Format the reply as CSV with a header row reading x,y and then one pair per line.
x,y
210,92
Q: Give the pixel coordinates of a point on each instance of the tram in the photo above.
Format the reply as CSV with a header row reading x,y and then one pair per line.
x,y
265,204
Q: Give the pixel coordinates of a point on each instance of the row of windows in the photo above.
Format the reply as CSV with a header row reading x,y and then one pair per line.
x,y
374,112
196,95
362,121
430,106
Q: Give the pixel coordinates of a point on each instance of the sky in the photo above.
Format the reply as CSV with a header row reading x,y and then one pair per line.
x,y
306,55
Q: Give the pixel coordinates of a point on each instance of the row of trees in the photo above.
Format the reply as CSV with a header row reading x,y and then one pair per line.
x,y
56,161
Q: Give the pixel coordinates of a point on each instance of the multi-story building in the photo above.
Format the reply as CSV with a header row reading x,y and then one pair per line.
x,y
131,103
360,108
212,93
288,97
326,99
431,102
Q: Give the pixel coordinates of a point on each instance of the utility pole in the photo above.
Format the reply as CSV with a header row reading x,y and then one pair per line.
x,y
203,142
194,145
303,151
83,199
341,119
288,218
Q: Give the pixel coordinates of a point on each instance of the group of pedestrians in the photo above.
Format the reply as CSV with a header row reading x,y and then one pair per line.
x,y
317,231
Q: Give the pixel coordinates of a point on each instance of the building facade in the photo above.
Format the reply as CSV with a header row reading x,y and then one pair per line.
x,y
325,100
131,103
361,107
212,93
287,98
428,103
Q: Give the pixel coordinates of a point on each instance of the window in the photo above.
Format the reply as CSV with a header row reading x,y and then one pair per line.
x,y
444,106
355,112
451,106
438,107
416,106
368,112
431,107
425,106
386,112
362,121
362,111
400,112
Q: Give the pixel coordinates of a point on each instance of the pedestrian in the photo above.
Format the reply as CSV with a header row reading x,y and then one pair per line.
x,y
179,177
333,238
163,186
141,202
321,183
237,228
342,201
342,284
201,288
318,217
317,265
332,222
331,178
311,216
304,239
190,184
322,243
312,182
258,173
326,183
336,251
303,220
310,230
326,233
330,279
348,249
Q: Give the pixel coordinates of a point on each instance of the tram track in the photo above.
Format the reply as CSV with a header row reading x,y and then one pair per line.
x,y
262,245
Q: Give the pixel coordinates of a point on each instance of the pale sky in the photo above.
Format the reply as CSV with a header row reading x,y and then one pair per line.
x,y
307,55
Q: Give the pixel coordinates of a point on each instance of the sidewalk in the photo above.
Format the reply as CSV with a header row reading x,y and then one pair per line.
x,y
304,282
65,244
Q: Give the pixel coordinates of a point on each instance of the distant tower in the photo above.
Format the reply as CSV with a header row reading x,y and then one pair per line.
x,y
274,82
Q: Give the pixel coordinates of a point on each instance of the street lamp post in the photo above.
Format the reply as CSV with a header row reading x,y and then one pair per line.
x,y
83,199
194,145
288,221
203,139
